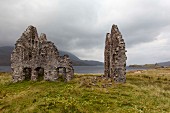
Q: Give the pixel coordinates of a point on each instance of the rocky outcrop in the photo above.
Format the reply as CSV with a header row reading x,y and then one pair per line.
x,y
115,57
34,58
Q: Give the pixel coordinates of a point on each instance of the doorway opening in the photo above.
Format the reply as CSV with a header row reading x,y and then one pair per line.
x,y
27,73
40,73
61,73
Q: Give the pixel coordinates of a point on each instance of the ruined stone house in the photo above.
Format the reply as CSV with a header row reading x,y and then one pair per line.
x,y
36,58
115,57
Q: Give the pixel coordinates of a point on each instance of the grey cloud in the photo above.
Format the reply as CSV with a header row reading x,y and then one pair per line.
x,y
79,26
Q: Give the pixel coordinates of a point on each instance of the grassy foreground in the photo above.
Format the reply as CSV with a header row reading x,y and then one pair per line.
x,y
144,92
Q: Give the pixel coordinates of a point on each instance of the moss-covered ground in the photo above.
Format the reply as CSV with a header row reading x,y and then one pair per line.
x,y
144,92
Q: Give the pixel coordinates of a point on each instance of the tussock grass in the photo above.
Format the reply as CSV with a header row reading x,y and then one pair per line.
x,y
146,91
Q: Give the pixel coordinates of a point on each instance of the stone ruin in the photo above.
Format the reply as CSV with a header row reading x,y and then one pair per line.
x,y
35,58
115,57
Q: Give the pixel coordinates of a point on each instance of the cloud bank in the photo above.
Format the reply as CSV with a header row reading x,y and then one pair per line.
x,y
80,26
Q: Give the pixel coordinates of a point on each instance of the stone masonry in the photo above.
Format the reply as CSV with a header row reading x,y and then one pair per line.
x,y
35,58
115,57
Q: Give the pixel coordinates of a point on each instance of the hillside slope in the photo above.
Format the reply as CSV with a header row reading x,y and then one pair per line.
x,y
5,55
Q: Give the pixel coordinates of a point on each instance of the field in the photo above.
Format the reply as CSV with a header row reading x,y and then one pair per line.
x,y
144,92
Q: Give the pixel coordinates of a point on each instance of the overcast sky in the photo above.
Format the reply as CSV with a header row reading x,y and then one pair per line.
x,y
80,26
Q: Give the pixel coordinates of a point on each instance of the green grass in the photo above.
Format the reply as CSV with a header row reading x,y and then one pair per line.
x,y
144,92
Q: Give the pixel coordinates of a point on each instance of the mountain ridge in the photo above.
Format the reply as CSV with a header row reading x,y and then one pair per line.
x,y
5,55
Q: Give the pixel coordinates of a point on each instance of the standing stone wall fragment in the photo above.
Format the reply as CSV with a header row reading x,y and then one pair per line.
x,y
114,56
35,56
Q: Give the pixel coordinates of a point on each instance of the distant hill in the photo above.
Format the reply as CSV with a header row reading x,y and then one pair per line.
x,y
164,63
5,55
73,57
156,65
78,62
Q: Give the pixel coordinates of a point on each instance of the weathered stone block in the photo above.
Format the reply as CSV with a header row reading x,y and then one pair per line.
x,y
115,57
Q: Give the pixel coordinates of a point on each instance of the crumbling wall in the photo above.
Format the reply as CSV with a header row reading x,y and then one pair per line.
x,y
115,57
34,55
